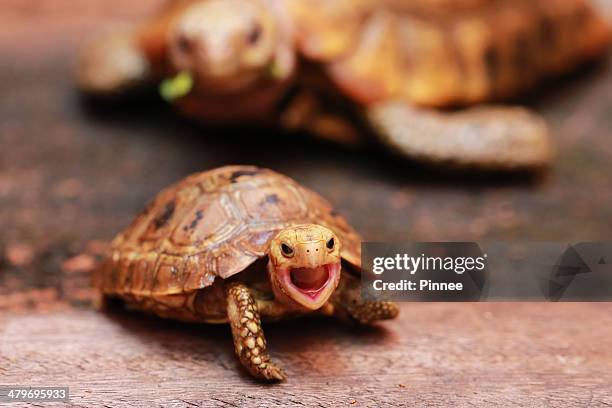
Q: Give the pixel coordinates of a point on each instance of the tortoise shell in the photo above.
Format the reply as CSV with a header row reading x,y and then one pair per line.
x,y
213,224
442,53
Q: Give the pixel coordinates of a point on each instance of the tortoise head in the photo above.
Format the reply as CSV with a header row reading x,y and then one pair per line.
x,y
304,266
228,45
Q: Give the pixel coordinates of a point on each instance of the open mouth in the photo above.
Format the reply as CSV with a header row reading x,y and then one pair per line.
x,y
312,281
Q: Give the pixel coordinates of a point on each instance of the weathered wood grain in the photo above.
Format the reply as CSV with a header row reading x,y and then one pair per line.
x,y
436,354
71,173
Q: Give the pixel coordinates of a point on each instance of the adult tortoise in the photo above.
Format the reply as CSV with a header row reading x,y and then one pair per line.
x,y
239,245
342,69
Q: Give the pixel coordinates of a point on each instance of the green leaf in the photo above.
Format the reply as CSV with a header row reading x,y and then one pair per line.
x,y
176,87
275,71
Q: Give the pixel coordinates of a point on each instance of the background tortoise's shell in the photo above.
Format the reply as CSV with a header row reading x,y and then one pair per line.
x,y
211,224
441,53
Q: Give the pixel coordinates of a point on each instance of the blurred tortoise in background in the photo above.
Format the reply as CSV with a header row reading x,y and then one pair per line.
x,y
342,69
238,245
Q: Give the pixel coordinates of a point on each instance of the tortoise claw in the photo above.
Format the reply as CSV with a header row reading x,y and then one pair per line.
x,y
272,373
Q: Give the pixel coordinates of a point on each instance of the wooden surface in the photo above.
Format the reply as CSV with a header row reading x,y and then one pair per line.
x,y
436,354
72,175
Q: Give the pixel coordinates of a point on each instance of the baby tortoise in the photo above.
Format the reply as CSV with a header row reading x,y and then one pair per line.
x,y
239,245
342,69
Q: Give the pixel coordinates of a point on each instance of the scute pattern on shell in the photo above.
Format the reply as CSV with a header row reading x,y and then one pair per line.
x,y
212,224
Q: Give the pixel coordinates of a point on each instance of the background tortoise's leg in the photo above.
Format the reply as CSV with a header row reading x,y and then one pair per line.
x,y
102,302
306,111
112,65
347,303
249,340
489,137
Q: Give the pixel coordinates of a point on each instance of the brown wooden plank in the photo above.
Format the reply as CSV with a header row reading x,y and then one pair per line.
x,y
435,354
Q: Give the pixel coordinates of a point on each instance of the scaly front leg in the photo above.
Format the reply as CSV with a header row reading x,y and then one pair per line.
x,y
347,303
249,340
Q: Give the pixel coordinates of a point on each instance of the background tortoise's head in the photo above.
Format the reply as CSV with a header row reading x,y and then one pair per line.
x,y
304,265
229,45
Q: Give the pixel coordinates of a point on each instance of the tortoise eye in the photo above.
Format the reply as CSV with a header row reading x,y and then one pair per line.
x,y
331,244
287,250
254,34
184,43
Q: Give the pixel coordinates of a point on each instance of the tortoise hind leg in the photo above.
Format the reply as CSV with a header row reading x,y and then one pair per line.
x,y
493,138
249,340
347,303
